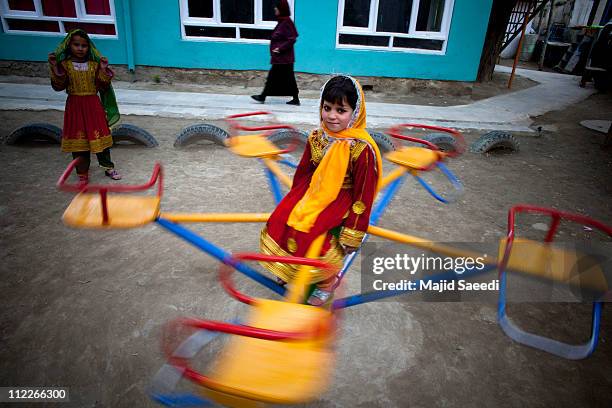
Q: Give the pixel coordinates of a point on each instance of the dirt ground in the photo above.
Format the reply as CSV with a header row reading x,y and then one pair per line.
x,y
84,309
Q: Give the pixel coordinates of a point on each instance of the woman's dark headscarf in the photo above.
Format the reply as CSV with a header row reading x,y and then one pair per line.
x,y
283,8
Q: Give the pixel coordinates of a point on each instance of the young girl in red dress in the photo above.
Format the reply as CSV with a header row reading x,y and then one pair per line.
x,y
333,190
77,67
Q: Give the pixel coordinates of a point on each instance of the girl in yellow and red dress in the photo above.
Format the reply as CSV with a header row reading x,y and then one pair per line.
x,y
333,190
77,67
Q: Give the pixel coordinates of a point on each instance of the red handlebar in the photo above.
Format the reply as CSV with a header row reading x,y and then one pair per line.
x,y
396,132
225,271
234,125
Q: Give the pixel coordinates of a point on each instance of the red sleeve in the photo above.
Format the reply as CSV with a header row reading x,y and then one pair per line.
x,y
365,178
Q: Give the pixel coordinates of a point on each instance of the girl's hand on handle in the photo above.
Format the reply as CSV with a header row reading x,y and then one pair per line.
x,y
103,63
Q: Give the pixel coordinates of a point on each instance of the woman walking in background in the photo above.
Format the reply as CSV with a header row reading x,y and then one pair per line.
x,y
281,78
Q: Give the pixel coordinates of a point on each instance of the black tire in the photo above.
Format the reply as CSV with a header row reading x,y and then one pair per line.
x,y
385,142
35,132
495,142
286,136
192,134
444,141
283,138
133,134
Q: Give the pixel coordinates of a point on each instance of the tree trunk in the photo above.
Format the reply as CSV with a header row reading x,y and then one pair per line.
x,y
498,21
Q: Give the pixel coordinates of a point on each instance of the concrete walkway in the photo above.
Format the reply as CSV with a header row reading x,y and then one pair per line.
x,y
509,112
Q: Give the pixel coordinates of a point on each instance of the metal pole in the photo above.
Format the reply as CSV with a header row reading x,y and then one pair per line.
x,y
550,16
519,49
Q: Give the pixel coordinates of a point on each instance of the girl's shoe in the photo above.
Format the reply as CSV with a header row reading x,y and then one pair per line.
x,y
112,173
83,179
319,297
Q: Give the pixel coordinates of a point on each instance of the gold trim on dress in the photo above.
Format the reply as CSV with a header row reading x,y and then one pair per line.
x,y
287,272
292,245
81,83
351,237
80,145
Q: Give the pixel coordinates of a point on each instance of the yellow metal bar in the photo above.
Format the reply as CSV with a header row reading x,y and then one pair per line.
x,y
297,293
278,172
425,244
216,217
398,172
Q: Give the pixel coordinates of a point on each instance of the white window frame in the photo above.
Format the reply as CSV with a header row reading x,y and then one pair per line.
x,y
370,30
215,22
37,15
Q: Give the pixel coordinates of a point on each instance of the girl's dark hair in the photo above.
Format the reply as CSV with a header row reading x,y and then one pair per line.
x,y
338,89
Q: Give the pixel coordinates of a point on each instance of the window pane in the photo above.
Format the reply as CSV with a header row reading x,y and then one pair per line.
x,y
33,25
418,43
91,28
220,32
356,13
255,34
98,7
24,5
430,15
58,8
238,11
200,8
394,16
267,10
364,40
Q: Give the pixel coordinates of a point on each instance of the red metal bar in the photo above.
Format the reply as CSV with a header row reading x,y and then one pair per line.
x,y
64,186
556,215
103,194
225,271
396,132
237,126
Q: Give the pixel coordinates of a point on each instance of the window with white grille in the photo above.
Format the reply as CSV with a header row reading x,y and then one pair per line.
x,y
57,17
228,20
398,25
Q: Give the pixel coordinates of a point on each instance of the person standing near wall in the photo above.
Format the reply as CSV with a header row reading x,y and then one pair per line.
x,y
281,78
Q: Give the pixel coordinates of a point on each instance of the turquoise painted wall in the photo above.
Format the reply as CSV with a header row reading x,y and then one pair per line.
x,y
157,42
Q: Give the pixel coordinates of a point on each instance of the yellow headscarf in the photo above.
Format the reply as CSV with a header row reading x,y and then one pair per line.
x,y
327,179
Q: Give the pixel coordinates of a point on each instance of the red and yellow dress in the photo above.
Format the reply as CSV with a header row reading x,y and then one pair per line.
x,y
332,193
85,126
345,220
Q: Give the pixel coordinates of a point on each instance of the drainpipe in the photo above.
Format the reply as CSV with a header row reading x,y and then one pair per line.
x,y
129,42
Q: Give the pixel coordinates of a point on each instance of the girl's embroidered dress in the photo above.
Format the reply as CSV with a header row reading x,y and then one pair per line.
x,y
85,123
346,218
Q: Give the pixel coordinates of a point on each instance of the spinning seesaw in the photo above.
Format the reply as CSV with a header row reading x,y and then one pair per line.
x,y
288,344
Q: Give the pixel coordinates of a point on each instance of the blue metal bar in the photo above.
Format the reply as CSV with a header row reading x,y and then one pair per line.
x,y
181,400
274,186
449,175
560,349
373,296
220,254
288,163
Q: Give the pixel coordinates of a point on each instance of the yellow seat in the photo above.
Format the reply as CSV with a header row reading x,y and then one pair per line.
x,y
549,262
282,372
253,146
413,157
124,211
